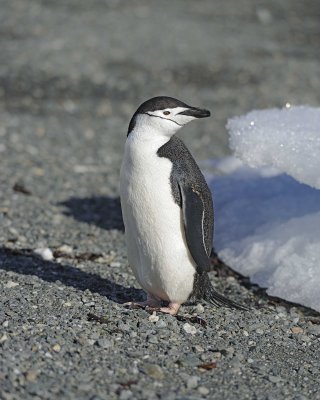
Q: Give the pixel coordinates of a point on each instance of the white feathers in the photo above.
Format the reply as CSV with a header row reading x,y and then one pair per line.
x,y
157,249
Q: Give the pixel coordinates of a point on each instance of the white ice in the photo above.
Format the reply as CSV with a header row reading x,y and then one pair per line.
x,y
267,224
287,139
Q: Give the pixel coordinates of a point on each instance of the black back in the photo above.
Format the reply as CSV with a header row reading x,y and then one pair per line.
x,y
186,174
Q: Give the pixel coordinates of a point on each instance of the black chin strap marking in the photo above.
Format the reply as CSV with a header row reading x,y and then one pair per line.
x,y
158,116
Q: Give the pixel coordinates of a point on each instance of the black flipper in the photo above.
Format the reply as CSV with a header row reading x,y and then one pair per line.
x,y
193,216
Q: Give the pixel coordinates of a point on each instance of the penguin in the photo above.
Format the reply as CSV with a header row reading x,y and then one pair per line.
x,y
167,208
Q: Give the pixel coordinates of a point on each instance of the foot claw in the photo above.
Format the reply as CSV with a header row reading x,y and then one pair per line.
x,y
172,309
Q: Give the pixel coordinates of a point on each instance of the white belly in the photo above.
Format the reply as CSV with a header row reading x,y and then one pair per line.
x,y
156,244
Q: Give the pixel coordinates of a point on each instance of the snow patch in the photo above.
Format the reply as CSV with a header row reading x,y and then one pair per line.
x,y
287,139
267,224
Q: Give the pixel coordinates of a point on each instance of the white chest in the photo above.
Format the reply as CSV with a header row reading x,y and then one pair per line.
x,y
156,244
145,185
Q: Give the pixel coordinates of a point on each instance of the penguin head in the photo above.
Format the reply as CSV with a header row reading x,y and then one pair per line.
x,y
164,115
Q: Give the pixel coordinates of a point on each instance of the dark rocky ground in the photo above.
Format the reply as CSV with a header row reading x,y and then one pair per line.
x,y
71,74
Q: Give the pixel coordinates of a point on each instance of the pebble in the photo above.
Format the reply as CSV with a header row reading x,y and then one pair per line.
x,y
153,317
65,249
203,390
199,308
192,382
45,253
31,375
11,284
314,329
104,343
189,329
115,264
296,329
161,324
56,347
154,371
126,395
153,339
3,338
274,379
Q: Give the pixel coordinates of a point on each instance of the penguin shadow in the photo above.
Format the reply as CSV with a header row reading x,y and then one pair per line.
x,y
25,262
102,211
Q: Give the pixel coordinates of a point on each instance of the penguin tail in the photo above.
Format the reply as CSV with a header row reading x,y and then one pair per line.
x,y
205,290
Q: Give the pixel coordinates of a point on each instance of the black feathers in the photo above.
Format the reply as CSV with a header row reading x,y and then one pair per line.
x,y
185,178
156,103
190,191
203,289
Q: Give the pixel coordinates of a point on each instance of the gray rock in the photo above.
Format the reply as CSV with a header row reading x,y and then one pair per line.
x,y
154,371
104,343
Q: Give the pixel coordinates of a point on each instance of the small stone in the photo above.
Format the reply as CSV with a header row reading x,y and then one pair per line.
x,y
245,333
259,331
56,347
265,17
153,339
104,343
31,375
198,349
13,231
67,304
3,338
161,324
274,379
296,329
45,253
305,338
115,264
190,360
5,324
65,249
230,350
313,329
189,329
11,284
153,317
154,371
192,382
203,390
199,309
126,395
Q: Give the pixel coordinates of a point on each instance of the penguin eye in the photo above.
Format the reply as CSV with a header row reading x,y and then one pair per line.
x,y
166,112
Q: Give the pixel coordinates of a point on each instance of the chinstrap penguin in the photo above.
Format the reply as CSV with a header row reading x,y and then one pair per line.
x,y
167,208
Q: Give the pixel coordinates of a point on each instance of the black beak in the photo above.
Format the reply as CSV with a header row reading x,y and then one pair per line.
x,y
196,112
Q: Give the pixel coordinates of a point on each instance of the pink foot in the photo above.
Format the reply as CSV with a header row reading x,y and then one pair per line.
x,y
172,308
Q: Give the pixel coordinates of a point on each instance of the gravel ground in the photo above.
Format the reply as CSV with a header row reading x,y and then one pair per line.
x,y
71,74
